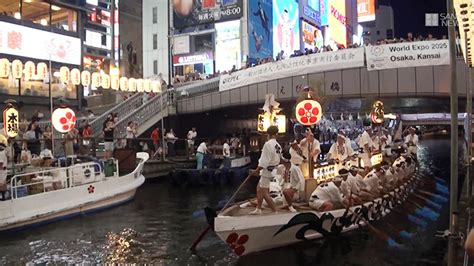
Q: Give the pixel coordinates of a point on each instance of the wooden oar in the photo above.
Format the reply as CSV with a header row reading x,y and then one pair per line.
x,y
204,232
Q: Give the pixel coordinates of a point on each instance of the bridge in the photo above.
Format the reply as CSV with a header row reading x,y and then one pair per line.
x,y
358,82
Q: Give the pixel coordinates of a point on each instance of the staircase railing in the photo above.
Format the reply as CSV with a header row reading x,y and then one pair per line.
x,y
153,107
122,110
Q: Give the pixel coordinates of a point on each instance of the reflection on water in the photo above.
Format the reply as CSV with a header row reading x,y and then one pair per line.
x,y
158,227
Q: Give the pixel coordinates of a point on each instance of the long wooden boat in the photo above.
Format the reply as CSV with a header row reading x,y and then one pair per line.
x,y
246,234
64,192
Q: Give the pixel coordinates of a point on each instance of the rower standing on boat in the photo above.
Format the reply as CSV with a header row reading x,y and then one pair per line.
x,y
386,142
292,180
269,160
311,148
297,157
411,141
226,153
192,134
365,143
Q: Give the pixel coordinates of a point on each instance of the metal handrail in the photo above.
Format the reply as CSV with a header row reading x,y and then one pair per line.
x,y
122,109
142,114
14,180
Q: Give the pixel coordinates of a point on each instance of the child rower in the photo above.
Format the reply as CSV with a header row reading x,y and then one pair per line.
x,y
292,180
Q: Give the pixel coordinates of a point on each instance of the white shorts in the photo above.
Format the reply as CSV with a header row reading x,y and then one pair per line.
x,y
265,181
366,159
109,146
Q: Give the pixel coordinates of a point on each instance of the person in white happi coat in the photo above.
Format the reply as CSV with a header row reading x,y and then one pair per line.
x,y
365,143
349,186
386,142
269,160
340,152
354,173
327,196
311,148
3,165
411,141
297,157
291,181
191,138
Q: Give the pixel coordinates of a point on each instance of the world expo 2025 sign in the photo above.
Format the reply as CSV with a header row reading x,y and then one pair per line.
x,y
188,13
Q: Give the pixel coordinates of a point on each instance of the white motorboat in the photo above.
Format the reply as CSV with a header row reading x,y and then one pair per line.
x,y
246,234
63,192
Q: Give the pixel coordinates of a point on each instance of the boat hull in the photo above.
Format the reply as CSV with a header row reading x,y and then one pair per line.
x,y
248,234
98,193
87,208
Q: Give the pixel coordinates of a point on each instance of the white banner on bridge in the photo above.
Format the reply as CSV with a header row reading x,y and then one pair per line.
x,y
409,54
301,65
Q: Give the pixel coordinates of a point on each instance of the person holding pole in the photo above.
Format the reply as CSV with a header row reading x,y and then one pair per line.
x,y
269,160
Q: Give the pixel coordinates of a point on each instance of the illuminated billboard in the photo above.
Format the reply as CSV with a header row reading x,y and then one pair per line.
x,y
260,20
228,52
312,36
324,11
365,10
286,30
337,23
188,13
44,45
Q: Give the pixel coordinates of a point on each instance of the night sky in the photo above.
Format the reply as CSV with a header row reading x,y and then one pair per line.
x,y
409,16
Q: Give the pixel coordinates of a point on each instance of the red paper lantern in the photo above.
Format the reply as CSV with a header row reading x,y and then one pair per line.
x,y
308,112
63,119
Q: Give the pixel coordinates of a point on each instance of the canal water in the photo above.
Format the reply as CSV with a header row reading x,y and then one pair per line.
x,y
161,223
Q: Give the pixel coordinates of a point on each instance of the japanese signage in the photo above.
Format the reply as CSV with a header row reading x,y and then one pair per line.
x,y
313,63
267,119
309,10
412,54
190,59
28,42
10,122
365,10
188,13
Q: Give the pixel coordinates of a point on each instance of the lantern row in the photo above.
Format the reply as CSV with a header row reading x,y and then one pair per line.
x,y
76,77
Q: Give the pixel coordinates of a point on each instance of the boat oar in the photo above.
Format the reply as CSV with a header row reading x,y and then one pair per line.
x,y
429,202
204,232
377,232
435,197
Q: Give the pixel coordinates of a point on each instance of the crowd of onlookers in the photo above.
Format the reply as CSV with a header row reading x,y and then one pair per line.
x,y
195,76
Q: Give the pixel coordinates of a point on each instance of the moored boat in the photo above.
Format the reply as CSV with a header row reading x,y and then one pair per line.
x,y
63,192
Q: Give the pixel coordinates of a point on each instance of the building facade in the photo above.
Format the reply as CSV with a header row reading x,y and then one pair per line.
x,y
156,55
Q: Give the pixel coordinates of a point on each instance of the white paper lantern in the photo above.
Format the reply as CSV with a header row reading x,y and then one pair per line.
x,y
105,82
132,84
65,75
156,86
42,70
29,70
96,79
86,78
115,82
147,85
17,69
4,68
123,84
11,120
63,119
75,76
140,85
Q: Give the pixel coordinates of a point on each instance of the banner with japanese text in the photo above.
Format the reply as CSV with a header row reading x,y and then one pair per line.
x,y
313,63
409,54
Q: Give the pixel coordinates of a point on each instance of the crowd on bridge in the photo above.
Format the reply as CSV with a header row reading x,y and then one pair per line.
x,y
196,76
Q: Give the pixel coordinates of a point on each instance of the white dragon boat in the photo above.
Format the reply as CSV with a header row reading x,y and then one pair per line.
x,y
59,193
246,234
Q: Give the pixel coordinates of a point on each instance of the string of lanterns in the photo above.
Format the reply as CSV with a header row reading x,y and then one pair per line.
x,y
30,71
